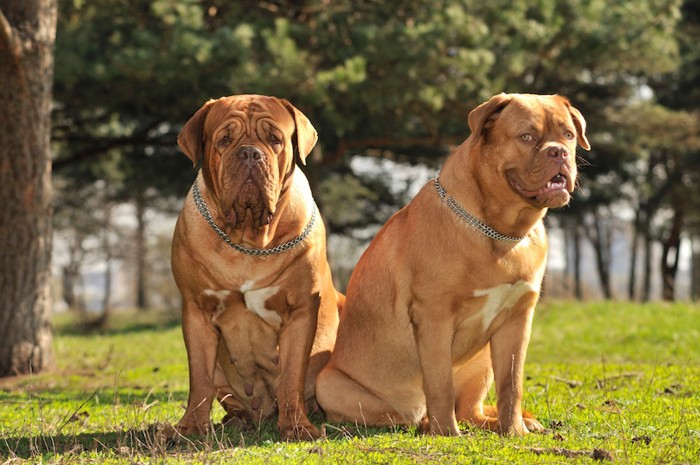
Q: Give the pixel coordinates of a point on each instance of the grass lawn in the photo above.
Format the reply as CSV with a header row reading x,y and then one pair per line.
x,y
611,382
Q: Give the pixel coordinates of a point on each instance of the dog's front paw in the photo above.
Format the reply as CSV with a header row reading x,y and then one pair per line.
x,y
521,428
165,436
238,420
190,429
532,425
299,432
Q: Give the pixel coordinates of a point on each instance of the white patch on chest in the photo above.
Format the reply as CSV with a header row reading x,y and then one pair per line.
x,y
255,302
501,298
221,297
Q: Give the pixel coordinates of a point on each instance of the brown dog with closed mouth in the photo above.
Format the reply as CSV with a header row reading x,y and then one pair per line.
x,y
249,256
441,303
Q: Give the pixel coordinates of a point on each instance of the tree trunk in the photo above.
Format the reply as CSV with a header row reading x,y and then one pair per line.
x,y
567,227
27,36
695,272
578,289
101,322
600,236
141,300
72,279
572,247
670,256
632,283
646,287
70,282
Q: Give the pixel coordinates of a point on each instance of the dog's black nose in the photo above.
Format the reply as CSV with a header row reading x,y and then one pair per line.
x,y
249,154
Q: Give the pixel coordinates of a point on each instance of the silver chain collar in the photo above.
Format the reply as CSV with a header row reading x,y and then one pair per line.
x,y
472,221
204,210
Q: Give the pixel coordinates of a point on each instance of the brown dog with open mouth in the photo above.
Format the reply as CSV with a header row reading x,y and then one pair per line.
x,y
249,256
441,303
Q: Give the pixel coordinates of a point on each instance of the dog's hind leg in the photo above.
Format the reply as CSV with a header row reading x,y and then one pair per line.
x,y
345,401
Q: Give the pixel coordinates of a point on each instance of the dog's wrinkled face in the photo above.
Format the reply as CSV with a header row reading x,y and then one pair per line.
x,y
249,149
531,141
247,145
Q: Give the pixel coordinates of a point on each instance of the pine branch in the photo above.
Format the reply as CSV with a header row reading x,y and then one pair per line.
x,y
102,146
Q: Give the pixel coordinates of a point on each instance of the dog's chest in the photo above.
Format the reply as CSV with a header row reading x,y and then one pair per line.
x,y
485,310
484,313
257,301
498,299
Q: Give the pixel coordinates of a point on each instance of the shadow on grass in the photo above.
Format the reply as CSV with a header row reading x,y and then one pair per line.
x,y
125,322
121,396
136,443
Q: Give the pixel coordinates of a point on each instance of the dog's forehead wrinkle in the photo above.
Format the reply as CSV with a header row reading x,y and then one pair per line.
x,y
524,114
254,106
270,126
528,125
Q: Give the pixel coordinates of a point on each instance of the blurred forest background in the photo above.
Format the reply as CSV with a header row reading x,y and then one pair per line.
x,y
388,85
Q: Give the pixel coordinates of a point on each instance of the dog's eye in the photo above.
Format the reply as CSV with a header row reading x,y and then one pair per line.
x,y
274,140
526,137
569,135
223,142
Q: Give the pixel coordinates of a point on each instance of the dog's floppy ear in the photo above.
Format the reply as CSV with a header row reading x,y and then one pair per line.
x,y
305,136
485,114
580,124
191,137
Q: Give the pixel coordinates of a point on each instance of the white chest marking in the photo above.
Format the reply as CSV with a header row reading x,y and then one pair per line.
x,y
221,297
255,302
501,298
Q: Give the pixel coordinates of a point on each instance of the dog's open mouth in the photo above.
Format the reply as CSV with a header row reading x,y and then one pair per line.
x,y
557,186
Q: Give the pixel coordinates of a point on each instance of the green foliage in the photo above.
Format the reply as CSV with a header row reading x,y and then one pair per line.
x,y
366,69
391,75
352,201
607,380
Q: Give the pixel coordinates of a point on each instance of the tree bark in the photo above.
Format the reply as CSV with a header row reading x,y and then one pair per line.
x,y
646,287
578,289
141,250
695,272
101,322
72,279
670,257
600,236
572,238
632,283
27,37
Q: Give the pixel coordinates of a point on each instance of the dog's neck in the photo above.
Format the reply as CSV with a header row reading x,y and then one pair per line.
x,y
513,218
285,225
470,219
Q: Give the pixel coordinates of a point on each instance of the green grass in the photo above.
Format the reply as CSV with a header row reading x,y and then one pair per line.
x,y
608,380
